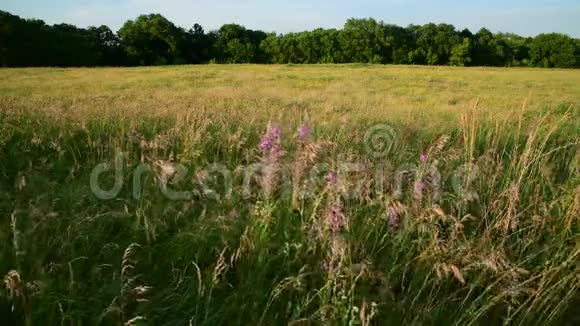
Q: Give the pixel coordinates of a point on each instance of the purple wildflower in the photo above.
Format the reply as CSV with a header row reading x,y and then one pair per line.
x,y
393,218
266,145
335,218
418,191
423,157
270,143
332,178
303,132
275,132
272,151
324,266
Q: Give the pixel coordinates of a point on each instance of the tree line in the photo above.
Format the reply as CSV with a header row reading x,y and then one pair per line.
x,y
154,40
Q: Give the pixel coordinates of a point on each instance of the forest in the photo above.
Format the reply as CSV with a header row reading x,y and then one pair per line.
x,y
154,40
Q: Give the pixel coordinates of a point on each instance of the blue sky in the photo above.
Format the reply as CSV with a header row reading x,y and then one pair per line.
x,y
526,18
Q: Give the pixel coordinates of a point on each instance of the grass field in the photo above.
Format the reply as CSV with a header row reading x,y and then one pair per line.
x,y
302,195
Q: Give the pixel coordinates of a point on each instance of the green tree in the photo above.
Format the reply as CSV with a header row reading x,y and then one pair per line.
x,y
577,52
398,43
519,48
489,50
434,44
460,54
236,44
70,46
552,50
105,46
197,45
363,40
152,40
271,45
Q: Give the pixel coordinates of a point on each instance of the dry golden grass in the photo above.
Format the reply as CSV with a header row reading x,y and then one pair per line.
x,y
327,94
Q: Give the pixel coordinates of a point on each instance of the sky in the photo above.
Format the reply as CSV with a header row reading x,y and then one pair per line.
x,y
527,18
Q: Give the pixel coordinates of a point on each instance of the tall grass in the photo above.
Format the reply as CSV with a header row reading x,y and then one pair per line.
x,y
471,222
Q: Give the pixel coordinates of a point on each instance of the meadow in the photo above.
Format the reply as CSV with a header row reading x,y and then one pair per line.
x,y
290,195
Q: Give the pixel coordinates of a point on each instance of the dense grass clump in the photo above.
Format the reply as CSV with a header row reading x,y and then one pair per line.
x,y
134,208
